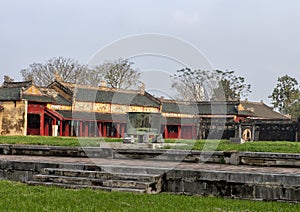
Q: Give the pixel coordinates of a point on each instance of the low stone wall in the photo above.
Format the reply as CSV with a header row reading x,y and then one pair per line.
x,y
255,186
23,171
221,157
269,159
240,185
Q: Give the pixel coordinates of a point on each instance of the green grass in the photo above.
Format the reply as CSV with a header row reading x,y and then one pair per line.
x,y
20,197
258,146
54,141
208,145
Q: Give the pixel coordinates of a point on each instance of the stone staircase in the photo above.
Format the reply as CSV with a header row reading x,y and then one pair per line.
x,y
124,179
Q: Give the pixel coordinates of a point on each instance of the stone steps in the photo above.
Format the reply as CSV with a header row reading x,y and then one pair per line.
x,y
101,174
118,181
72,186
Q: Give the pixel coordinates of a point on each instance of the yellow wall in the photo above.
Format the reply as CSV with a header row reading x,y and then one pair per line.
x,y
1,115
111,108
13,118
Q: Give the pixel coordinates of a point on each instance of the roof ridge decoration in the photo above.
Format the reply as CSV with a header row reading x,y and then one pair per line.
x,y
20,84
72,86
62,86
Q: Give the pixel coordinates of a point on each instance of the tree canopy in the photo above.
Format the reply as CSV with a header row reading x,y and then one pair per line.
x,y
118,73
201,85
43,74
286,96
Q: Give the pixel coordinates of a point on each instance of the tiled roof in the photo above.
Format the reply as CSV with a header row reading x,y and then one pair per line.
x,y
91,95
178,107
10,94
201,108
60,100
23,84
38,98
63,87
92,116
261,110
218,108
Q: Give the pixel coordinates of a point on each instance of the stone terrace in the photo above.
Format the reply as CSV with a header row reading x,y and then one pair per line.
x,y
154,176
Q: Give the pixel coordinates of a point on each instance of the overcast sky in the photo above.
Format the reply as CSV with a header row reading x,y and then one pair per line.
x,y
258,39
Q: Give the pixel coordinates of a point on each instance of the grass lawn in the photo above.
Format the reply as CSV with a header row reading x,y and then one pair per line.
x,y
258,146
209,145
55,141
20,197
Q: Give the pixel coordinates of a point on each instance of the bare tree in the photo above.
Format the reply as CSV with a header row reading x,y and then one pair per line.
x,y
201,85
8,79
193,85
69,70
118,73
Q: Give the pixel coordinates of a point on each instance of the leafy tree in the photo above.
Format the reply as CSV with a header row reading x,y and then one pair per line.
x,y
286,95
294,109
118,73
201,85
43,74
230,86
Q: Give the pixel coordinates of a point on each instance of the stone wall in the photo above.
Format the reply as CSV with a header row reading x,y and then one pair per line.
x,y
255,186
13,118
247,183
239,185
220,157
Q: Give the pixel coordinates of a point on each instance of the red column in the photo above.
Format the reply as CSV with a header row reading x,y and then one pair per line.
x,y
86,129
67,128
80,128
46,129
99,129
42,121
104,130
60,128
166,131
179,131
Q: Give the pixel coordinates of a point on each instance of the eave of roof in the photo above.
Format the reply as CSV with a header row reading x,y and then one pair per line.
x,y
200,108
38,98
90,116
10,94
22,84
115,97
262,111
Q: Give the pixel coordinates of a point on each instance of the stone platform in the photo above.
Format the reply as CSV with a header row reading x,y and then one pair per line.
x,y
270,183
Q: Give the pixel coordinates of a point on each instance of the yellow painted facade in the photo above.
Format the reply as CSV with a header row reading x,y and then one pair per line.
x,y
83,106
241,107
32,90
102,108
13,118
58,107
119,108
1,115
178,115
